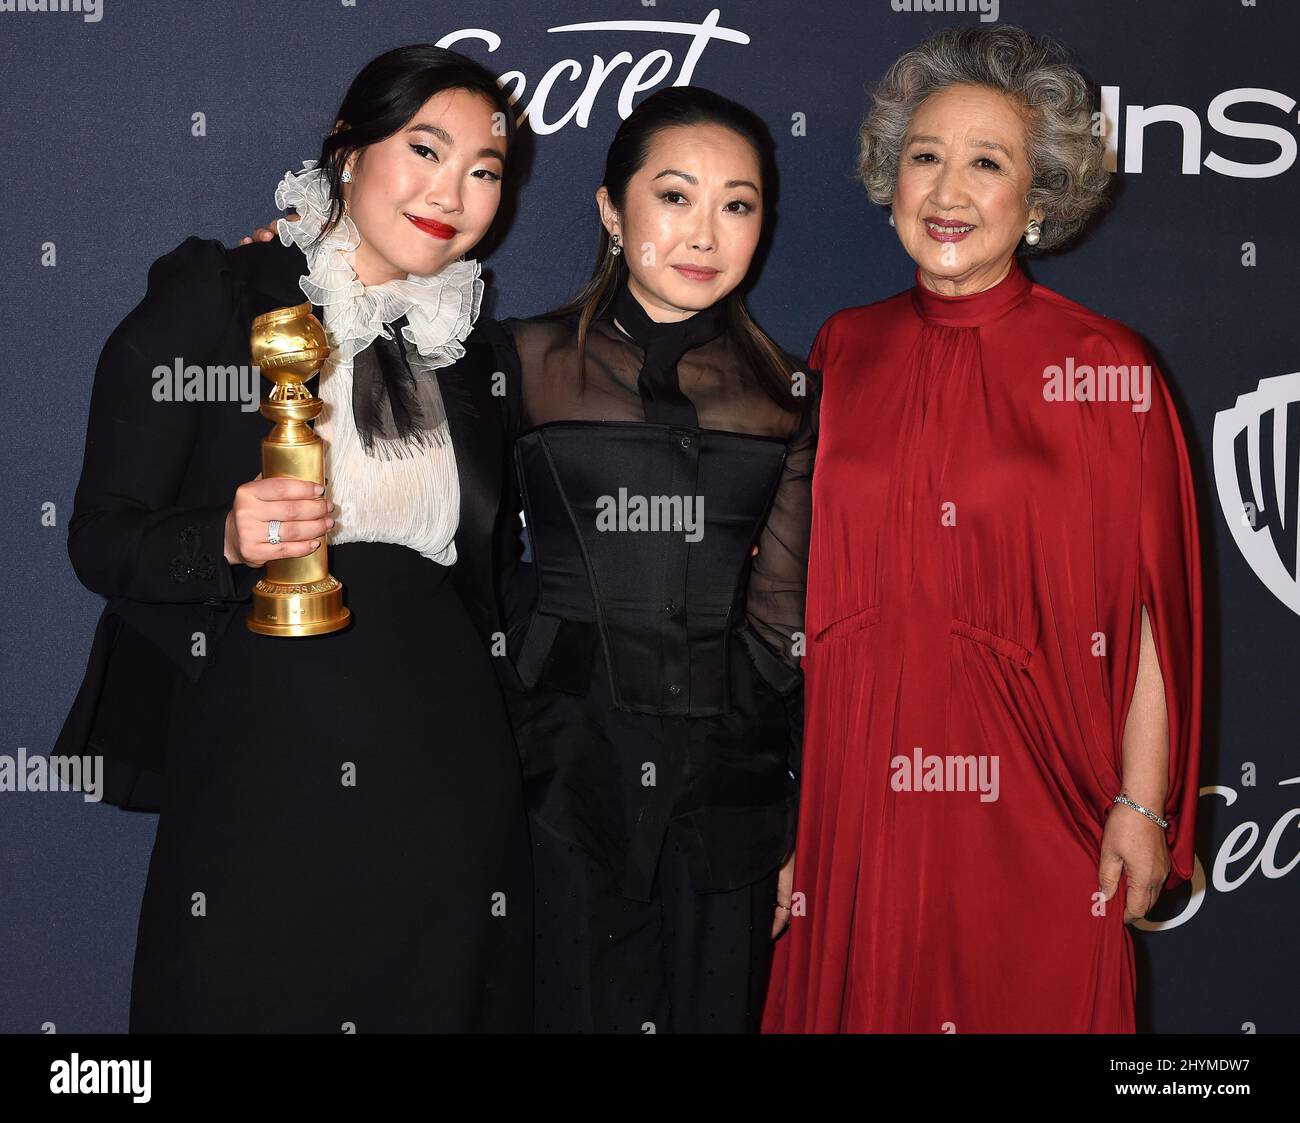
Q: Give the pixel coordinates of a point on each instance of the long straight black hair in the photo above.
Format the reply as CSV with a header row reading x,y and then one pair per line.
x,y
388,92
683,107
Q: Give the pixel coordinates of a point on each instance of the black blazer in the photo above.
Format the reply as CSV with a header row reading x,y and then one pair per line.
x,y
148,525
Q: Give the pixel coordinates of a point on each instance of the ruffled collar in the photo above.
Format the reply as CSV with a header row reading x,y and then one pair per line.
x,y
440,309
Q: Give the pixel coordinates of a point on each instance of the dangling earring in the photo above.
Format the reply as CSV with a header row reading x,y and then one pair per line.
x,y
891,218
346,177
1033,233
614,248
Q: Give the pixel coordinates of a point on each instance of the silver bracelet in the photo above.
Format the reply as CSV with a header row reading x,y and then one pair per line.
x,y
1163,824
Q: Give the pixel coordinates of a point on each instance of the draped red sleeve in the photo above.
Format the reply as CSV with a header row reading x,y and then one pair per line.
x,y
1169,586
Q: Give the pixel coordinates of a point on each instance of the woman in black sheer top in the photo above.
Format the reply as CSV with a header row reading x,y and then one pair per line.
x,y
665,468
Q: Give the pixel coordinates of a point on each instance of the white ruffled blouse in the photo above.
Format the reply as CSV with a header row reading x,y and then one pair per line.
x,y
411,499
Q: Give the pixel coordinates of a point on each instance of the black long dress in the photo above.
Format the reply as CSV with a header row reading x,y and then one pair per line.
x,y
341,843
659,720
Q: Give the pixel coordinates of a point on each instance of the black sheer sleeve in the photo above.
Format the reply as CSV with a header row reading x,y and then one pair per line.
x,y
778,578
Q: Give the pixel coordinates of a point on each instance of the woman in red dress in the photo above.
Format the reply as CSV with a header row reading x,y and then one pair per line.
x,y
1004,659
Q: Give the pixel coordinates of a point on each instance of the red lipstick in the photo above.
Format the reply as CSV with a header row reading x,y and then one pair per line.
x,y
433,227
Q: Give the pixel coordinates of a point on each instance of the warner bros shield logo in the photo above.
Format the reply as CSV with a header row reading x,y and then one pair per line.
x,y
1257,470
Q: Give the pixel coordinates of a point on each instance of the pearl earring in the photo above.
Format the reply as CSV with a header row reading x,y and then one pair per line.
x,y
1033,233
614,248
891,218
346,177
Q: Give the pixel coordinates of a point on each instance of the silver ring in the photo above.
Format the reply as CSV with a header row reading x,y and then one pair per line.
x,y
273,532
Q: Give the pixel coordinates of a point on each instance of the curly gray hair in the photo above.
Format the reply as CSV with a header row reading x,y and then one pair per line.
x,y
1066,153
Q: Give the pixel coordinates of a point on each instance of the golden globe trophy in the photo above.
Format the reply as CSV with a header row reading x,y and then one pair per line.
x,y
297,596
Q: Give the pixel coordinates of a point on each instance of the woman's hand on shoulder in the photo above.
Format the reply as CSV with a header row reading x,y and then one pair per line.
x,y
267,232
298,505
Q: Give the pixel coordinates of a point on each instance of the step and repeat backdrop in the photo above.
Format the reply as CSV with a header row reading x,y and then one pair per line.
x,y
130,124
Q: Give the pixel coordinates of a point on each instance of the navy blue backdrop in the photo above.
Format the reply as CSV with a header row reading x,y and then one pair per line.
x,y
130,124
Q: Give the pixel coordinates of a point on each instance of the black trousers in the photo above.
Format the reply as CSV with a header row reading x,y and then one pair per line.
x,y
682,962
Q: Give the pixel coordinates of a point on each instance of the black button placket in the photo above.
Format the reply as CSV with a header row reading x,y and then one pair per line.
x,y
684,456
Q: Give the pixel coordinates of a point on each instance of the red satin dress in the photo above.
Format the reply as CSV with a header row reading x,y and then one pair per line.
x,y
981,554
